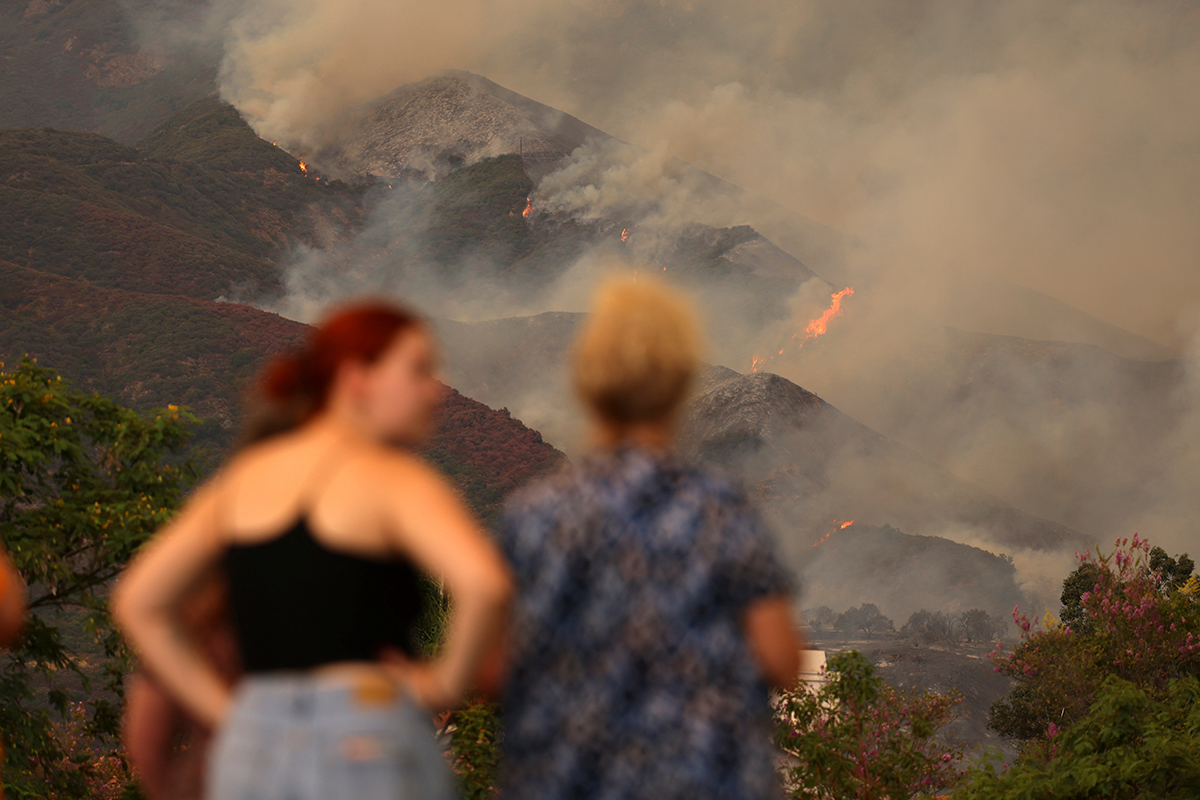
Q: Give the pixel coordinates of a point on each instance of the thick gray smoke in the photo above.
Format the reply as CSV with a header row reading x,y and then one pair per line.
x,y
987,164
1055,145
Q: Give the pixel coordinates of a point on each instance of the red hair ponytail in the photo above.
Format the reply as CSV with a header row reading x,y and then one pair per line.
x,y
295,387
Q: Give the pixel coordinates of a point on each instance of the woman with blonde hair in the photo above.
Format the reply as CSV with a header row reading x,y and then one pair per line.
x,y
321,530
652,611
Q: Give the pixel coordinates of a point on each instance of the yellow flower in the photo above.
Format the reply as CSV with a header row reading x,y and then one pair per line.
x,y
171,407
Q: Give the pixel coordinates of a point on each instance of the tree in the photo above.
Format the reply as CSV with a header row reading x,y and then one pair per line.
x,y
1134,632
866,618
976,625
1170,573
927,626
858,737
820,618
1077,584
84,482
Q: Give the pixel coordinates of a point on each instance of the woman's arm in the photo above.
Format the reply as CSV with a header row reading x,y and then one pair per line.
x,y
146,605
430,523
12,602
148,729
771,634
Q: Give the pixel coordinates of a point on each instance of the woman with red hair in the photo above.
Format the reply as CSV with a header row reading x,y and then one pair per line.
x,y
322,527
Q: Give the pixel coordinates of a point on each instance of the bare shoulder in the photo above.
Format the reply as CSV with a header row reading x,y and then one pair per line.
x,y
390,470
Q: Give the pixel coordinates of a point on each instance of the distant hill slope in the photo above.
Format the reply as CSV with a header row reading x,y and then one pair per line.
x,y
207,223
811,464
143,349
903,573
151,350
77,64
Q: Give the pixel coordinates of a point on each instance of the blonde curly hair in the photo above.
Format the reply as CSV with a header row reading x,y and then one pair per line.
x,y
638,352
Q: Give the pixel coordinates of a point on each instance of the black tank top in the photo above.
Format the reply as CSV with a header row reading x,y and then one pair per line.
x,y
298,604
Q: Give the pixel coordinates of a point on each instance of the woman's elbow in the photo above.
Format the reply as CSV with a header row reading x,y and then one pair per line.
x,y
784,669
772,638
126,611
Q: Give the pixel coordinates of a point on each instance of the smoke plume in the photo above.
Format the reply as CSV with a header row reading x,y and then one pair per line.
x,y
1020,169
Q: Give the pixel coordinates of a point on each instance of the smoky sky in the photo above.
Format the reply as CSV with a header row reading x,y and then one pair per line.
x,y
967,151
1054,144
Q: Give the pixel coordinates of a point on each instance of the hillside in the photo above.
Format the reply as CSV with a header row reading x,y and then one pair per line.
x,y
903,573
79,65
82,206
151,350
810,464
1054,428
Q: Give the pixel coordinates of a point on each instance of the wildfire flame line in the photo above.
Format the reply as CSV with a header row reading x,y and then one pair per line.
x,y
819,325
304,167
528,207
814,328
624,234
841,526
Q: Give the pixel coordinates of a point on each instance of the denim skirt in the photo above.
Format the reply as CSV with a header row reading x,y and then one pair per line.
x,y
295,737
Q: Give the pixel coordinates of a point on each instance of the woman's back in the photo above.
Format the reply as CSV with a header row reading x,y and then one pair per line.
x,y
651,608
628,657
315,474
314,579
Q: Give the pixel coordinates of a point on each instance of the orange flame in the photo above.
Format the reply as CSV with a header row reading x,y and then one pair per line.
x,y
624,234
821,324
841,526
815,327
528,207
304,167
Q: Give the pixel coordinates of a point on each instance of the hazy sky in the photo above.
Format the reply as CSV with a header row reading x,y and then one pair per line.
x,y
1055,144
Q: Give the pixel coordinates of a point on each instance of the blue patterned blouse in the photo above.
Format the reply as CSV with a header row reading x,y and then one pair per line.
x,y
630,676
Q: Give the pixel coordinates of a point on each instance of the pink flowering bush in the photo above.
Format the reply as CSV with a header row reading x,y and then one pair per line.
x,y
856,737
1126,626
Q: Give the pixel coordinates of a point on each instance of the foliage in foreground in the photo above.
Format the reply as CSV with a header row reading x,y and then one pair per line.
x,y
83,483
1130,746
1108,704
473,751
857,737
